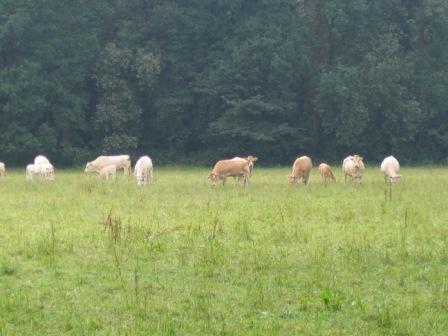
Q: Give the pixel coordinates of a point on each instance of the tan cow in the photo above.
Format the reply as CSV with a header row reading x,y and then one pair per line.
x,y
107,171
390,167
226,168
301,170
353,166
119,161
251,161
326,173
2,169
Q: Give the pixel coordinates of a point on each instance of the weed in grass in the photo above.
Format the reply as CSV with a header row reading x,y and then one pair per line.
x,y
112,224
332,300
7,269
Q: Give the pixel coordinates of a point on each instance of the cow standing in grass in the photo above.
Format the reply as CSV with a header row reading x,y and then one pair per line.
x,y
226,168
326,173
390,167
301,170
353,166
32,170
46,171
108,171
143,170
251,161
119,161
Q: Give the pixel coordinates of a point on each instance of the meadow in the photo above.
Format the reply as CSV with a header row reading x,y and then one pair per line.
x,y
79,256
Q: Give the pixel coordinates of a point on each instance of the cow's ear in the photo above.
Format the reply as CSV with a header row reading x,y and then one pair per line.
x,y
255,158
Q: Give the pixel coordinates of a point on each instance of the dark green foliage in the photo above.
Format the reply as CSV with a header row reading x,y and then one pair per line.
x,y
198,80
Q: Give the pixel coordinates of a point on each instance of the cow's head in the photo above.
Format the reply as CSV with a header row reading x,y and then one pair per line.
x,y
89,168
292,179
358,165
395,178
251,158
213,178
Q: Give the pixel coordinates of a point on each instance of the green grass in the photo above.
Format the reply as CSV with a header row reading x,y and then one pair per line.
x,y
80,256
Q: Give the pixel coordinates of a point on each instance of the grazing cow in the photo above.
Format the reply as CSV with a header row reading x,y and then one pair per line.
x,y
40,160
301,170
119,161
226,168
251,161
107,171
2,169
390,167
353,166
31,170
326,173
46,171
143,170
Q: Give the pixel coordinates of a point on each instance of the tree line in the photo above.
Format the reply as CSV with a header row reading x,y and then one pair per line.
x,y
192,81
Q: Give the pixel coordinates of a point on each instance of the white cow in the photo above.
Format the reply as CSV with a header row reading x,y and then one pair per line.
x,y
109,171
119,161
353,166
143,170
390,167
2,169
31,170
40,159
46,172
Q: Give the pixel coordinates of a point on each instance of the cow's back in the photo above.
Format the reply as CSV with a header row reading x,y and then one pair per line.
x,y
390,166
231,167
303,164
143,162
41,160
118,161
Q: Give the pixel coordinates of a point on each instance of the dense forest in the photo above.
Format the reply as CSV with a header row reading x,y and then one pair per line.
x,y
192,81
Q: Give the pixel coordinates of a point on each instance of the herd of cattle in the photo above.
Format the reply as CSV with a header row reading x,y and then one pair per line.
x,y
238,168
352,166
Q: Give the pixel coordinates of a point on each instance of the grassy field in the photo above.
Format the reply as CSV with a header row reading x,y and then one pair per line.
x,y
80,256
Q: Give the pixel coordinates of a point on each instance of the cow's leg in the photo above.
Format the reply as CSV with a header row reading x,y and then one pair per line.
x,y
246,179
305,179
241,179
